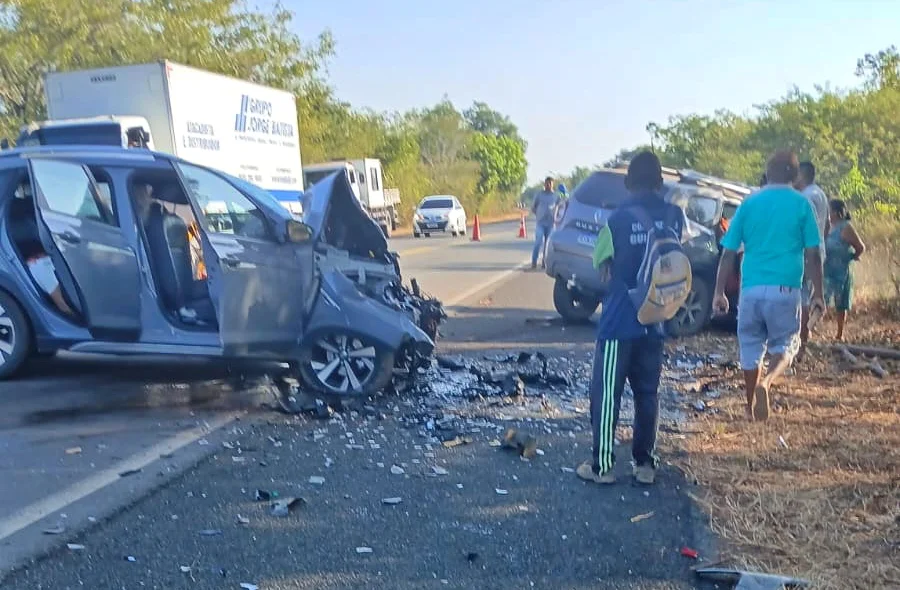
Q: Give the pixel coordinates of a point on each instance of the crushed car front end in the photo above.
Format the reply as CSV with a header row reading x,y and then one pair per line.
x,y
362,287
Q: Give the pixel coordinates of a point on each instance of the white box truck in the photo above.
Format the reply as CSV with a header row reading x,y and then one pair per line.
x,y
238,127
367,179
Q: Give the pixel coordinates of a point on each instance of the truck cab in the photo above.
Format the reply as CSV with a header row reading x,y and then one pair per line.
x,y
122,131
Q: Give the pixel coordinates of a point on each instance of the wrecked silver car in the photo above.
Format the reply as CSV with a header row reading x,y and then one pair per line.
x,y
115,251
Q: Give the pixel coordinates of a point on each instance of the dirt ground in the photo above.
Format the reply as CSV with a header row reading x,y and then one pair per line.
x,y
815,490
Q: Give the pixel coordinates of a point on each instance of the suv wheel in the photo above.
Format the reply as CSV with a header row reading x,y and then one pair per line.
x,y
345,365
572,306
15,336
695,313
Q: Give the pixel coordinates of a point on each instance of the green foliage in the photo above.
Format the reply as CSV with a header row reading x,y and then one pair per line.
x,y
423,152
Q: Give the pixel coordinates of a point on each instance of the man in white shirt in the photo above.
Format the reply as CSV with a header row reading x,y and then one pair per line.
x,y
806,184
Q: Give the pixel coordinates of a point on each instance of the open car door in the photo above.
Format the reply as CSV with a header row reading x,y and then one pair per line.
x,y
96,266
259,261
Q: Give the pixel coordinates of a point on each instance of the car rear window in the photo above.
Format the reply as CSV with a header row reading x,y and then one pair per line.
x,y
437,204
602,189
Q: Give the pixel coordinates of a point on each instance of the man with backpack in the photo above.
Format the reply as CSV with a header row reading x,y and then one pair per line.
x,y
650,279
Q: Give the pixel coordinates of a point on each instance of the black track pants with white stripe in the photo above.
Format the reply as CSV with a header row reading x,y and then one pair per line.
x,y
640,361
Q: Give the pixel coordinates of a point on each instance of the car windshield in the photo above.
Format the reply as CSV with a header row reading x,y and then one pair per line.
x,y
100,134
437,204
602,189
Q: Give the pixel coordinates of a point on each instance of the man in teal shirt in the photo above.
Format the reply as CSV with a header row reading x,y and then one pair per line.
x,y
778,230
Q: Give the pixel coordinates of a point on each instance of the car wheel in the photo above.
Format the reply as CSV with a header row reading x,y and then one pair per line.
x,y
345,365
15,336
573,307
695,313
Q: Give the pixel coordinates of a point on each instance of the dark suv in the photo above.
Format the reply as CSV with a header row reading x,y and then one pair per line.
x,y
579,288
115,251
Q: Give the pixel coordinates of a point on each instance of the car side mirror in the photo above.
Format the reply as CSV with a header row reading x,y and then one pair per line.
x,y
297,232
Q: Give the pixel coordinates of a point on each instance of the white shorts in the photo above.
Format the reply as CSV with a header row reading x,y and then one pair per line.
x,y
44,274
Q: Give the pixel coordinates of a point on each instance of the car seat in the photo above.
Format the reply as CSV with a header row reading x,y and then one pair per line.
x,y
170,256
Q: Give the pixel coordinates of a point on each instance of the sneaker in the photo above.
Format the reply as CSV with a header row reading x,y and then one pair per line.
x,y
644,474
761,403
586,472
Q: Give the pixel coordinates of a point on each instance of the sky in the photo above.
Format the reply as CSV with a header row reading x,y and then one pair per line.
x,y
582,78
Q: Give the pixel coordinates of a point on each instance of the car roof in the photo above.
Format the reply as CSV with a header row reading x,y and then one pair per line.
x,y
96,153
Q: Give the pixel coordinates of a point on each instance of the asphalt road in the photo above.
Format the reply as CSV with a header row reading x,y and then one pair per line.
x,y
73,425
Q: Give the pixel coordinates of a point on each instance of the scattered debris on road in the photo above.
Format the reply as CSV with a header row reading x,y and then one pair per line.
x,y
524,444
249,586
73,451
58,529
316,480
130,559
640,517
129,472
210,533
264,495
282,508
391,501
75,547
364,550
397,470
688,552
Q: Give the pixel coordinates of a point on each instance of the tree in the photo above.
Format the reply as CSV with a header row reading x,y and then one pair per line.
x,y
40,36
880,70
483,119
502,163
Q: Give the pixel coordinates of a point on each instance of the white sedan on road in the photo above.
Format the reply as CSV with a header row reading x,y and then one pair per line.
x,y
439,213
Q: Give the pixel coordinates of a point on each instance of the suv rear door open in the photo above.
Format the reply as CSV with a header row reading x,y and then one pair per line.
x,y
96,266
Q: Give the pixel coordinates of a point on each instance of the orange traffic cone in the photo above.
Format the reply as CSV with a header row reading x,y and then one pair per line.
x,y
476,231
523,233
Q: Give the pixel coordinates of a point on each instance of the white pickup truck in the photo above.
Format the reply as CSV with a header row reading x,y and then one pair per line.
x,y
238,127
367,179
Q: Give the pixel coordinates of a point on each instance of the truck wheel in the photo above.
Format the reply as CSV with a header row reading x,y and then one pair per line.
x,y
427,235
386,229
695,313
574,307
15,336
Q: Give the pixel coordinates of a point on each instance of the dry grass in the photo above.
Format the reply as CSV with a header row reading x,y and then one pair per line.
x,y
824,504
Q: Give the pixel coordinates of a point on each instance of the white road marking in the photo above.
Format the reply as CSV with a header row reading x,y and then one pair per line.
x,y
56,502
488,283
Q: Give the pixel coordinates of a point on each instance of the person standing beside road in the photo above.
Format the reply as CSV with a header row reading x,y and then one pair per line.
x,y
777,228
843,246
627,349
806,184
543,208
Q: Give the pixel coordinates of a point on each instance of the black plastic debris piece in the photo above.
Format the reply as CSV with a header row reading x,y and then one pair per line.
x,y
264,495
128,472
452,363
